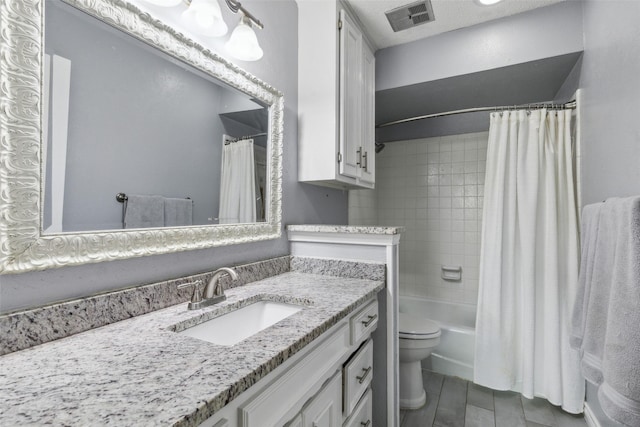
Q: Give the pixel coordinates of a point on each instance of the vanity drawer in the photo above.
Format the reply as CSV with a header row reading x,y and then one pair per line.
x,y
356,377
364,322
363,412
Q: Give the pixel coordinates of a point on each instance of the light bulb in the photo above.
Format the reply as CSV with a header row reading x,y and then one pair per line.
x,y
205,18
487,2
243,43
164,3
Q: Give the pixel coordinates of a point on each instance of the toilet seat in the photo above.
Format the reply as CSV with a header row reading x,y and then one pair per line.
x,y
417,328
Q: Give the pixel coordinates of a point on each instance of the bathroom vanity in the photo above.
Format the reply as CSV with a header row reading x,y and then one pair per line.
x,y
143,371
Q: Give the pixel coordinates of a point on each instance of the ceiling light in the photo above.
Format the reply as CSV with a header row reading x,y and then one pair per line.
x,y
243,43
205,17
487,2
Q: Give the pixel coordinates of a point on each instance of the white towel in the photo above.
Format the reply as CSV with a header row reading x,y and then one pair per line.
x,y
144,211
178,212
606,319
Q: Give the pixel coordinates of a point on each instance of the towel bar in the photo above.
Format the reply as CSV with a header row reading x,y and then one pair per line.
x,y
122,197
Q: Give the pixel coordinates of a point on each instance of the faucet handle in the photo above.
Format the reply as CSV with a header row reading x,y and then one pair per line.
x,y
197,293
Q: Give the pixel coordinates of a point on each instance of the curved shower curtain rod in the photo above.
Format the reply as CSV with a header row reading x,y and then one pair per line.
x,y
569,105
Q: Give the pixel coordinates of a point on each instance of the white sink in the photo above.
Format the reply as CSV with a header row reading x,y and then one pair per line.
x,y
233,327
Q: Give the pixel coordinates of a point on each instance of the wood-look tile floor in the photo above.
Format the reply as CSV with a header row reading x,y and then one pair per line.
x,y
454,402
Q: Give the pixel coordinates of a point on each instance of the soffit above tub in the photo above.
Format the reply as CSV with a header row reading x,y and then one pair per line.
x,y
535,81
449,15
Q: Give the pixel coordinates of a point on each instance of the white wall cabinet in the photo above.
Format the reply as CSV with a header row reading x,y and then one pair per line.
x,y
336,98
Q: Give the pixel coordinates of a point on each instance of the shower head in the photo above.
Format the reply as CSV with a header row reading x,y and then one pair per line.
x,y
379,147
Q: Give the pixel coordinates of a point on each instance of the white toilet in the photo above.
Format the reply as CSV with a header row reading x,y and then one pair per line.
x,y
418,337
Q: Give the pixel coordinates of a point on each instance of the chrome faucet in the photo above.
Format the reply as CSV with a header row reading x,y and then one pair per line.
x,y
214,288
213,292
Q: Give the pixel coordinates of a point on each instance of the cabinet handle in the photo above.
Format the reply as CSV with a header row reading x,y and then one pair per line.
x,y
363,376
369,320
362,423
359,153
365,157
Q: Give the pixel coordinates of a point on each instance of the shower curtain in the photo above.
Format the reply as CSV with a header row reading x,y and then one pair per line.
x,y
237,183
529,257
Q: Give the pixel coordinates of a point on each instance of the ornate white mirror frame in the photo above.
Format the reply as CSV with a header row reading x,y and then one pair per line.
x,y
23,247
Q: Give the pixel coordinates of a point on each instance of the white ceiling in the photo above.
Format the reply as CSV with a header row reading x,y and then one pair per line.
x,y
449,15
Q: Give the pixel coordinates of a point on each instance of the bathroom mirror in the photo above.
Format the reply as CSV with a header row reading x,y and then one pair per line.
x,y
123,121
41,103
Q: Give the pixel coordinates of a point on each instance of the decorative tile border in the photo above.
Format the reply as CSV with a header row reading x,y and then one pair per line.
x,y
29,328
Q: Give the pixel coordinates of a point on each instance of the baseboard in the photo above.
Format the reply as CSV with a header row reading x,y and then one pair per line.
x,y
590,417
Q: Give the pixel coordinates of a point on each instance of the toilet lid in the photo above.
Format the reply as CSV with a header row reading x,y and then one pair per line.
x,y
416,327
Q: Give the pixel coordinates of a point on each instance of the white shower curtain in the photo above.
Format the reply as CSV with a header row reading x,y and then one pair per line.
x,y
237,183
529,260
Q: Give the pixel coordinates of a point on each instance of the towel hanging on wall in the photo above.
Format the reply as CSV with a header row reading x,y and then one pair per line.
x,y
178,212
606,315
144,211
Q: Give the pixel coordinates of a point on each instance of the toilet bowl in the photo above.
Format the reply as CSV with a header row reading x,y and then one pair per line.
x,y
418,337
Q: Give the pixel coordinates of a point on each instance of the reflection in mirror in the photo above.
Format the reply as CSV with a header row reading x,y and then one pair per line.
x,y
120,117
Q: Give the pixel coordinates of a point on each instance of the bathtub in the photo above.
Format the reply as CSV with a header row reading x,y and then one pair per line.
x,y
454,355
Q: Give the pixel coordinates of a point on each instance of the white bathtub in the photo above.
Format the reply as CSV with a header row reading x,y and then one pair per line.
x,y
454,354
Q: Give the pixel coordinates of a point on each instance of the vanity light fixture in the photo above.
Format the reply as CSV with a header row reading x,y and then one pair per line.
x,y
487,2
205,17
243,43
165,3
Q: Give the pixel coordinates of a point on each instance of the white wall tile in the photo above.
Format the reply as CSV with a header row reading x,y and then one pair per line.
x,y
434,187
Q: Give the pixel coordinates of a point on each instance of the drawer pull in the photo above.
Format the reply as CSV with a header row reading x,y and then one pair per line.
x,y
363,376
370,319
362,423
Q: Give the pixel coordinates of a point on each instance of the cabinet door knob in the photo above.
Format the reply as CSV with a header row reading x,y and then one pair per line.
x,y
359,153
362,377
362,423
365,157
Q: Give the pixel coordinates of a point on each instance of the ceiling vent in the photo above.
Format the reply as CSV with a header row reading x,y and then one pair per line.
x,y
410,15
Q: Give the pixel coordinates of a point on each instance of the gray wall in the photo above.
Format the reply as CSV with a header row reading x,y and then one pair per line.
x,y
611,108
496,55
301,203
541,33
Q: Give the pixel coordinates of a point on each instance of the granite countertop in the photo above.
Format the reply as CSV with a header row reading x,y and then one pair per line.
x,y
349,229
139,372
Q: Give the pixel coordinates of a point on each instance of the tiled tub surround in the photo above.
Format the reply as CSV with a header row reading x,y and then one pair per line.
x,y
139,372
28,328
434,187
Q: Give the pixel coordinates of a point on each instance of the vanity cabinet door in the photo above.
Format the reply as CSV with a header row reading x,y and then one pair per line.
x,y
296,422
325,410
357,376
